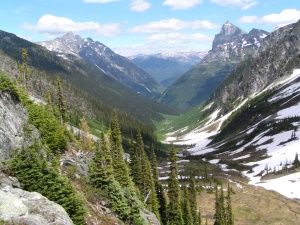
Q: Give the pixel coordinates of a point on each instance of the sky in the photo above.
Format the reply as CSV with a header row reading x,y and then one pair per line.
x,y
131,27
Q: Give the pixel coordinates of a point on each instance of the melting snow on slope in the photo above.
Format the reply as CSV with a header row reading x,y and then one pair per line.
x,y
288,186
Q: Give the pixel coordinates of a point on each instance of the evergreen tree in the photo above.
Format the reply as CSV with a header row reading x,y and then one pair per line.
x,y
220,214
174,212
229,213
186,208
60,101
135,165
162,202
24,67
199,219
296,162
30,166
121,171
193,197
101,177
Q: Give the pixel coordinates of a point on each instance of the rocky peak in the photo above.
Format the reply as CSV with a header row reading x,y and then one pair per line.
x,y
233,44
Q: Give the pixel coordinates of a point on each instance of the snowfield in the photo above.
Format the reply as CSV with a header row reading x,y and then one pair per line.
x,y
280,150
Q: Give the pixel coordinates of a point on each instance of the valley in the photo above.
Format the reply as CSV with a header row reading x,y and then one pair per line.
x,y
155,156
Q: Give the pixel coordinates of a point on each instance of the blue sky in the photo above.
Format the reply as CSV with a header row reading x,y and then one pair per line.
x,y
132,27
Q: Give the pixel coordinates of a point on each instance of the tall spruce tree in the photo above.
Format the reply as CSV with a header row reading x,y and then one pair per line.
x,y
229,213
193,197
121,171
186,208
220,213
174,212
61,103
162,201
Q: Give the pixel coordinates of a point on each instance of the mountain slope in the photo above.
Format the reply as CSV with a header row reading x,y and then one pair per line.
x,y
102,57
229,47
167,67
251,122
88,90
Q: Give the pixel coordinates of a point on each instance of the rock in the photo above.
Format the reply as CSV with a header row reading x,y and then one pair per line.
x,y
149,217
31,208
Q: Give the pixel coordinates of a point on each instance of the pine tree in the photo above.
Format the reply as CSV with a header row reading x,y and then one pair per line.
x,y
24,67
135,165
296,162
220,214
193,197
199,219
30,166
61,103
162,201
229,213
174,207
186,208
121,171
101,177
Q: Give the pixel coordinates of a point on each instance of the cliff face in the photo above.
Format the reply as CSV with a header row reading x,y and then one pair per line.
x,y
14,117
278,55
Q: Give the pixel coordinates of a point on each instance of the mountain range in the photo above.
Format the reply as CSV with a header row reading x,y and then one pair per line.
x,y
250,123
229,47
166,68
106,60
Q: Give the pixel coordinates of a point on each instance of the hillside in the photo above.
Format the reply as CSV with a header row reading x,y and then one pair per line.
x,y
166,68
229,47
88,90
250,123
103,58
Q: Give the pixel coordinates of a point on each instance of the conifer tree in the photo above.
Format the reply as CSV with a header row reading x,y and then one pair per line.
x,y
162,202
296,162
24,67
174,206
101,177
229,213
220,214
186,208
121,171
29,165
199,219
193,197
61,103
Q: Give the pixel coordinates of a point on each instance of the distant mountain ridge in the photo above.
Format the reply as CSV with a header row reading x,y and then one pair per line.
x,y
97,54
229,47
169,66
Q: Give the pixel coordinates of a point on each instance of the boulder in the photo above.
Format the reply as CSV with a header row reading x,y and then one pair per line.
x,y
31,208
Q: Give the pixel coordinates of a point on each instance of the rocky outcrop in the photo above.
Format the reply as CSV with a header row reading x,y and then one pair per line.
x,y
233,44
29,208
278,56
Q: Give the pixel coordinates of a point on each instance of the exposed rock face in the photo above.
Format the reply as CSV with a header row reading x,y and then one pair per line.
x,y
233,44
230,46
278,55
29,208
13,117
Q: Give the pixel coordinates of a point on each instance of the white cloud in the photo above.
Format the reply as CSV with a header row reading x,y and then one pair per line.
x,y
243,4
100,1
182,4
50,25
284,17
172,25
139,5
